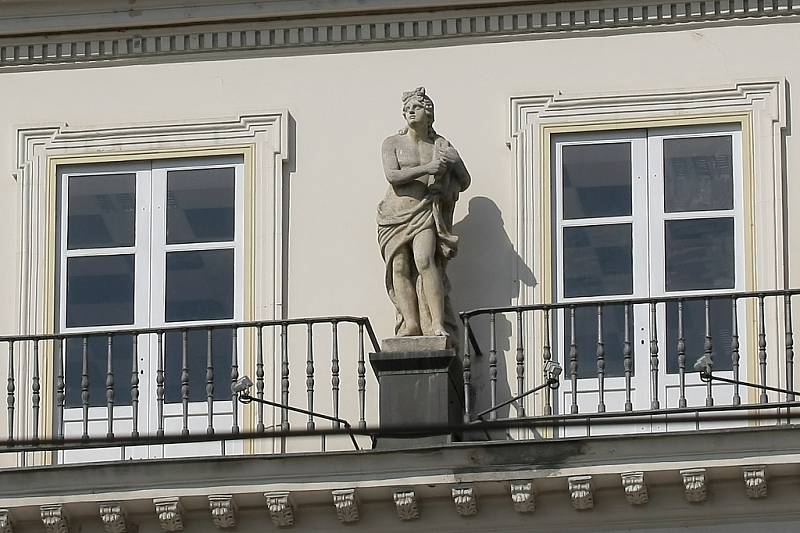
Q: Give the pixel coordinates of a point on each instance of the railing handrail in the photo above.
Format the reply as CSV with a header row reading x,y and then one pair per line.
x,y
216,325
625,301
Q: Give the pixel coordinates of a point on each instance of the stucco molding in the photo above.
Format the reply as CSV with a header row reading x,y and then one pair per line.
x,y
405,502
465,499
113,517
294,35
169,512
695,484
523,496
635,488
581,492
54,518
345,502
755,481
280,507
223,510
6,523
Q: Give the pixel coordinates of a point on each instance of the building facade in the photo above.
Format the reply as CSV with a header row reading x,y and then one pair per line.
x,y
190,198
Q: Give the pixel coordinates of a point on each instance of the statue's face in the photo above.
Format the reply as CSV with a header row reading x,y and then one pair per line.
x,y
414,113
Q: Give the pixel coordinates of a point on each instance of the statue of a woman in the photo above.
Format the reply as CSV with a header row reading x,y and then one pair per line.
x,y
415,220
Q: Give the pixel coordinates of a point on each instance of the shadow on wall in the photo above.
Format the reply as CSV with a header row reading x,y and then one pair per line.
x,y
483,275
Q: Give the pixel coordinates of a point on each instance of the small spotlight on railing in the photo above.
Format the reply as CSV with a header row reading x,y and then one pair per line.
x,y
243,385
703,365
553,369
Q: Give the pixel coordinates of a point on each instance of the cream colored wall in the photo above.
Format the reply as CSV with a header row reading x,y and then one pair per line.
x,y
344,105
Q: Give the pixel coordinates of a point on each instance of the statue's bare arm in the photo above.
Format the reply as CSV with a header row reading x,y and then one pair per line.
x,y
460,171
400,176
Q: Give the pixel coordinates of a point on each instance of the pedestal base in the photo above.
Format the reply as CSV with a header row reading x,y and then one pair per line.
x,y
420,382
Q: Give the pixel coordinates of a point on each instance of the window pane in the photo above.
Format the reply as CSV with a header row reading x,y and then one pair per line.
x,y
598,260
586,340
100,290
699,254
97,351
694,332
200,205
698,174
197,359
596,180
199,285
101,211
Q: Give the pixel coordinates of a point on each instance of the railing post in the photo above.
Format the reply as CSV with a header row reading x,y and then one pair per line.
x,y
601,362
362,379
260,377
210,380
493,364
546,358
160,378
35,390
110,387
335,372
681,357
11,390
627,358
467,372
762,348
737,400
185,381
85,385
520,359
61,386
707,350
135,385
573,361
234,377
310,374
654,403
789,336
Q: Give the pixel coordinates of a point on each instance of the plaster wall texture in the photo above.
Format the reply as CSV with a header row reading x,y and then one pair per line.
x,y
345,104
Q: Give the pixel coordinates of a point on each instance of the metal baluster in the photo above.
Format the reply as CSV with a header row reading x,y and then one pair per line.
x,y
35,389
520,366
546,357
260,377
627,358
737,400
707,350
310,425
284,376
654,403
789,336
493,364
160,384
335,373
234,379
573,360
210,380
135,386
61,384
762,348
362,379
85,386
681,357
185,381
110,387
11,390
466,363
601,362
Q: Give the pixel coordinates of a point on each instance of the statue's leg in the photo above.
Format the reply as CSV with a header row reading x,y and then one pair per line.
x,y
424,247
405,293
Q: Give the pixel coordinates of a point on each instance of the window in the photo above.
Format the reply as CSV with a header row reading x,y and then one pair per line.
x,y
647,213
149,244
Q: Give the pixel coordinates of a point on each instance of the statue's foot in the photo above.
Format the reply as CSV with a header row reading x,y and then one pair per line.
x,y
407,330
439,331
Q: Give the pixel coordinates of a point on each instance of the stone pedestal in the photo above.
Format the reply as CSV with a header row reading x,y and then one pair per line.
x,y
420,381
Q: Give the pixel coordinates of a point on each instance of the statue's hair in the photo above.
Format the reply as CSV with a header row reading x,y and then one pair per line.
x,y
418,95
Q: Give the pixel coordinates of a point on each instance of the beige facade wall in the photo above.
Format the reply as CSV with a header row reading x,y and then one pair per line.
x,y
344,104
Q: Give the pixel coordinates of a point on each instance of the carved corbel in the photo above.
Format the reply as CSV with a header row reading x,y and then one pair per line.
x,y
635,488
405,502
112,515
223,510
695,484
465,500
170,513
280,508
523,496
755,481
346,505
581,492
6,524
54,519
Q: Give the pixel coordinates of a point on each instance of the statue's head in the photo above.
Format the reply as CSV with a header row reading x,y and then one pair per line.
x,y
418,99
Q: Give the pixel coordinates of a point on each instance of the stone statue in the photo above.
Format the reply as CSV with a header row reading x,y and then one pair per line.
x,y
415,220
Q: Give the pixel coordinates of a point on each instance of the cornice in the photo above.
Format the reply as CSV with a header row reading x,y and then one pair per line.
x,y
377,30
